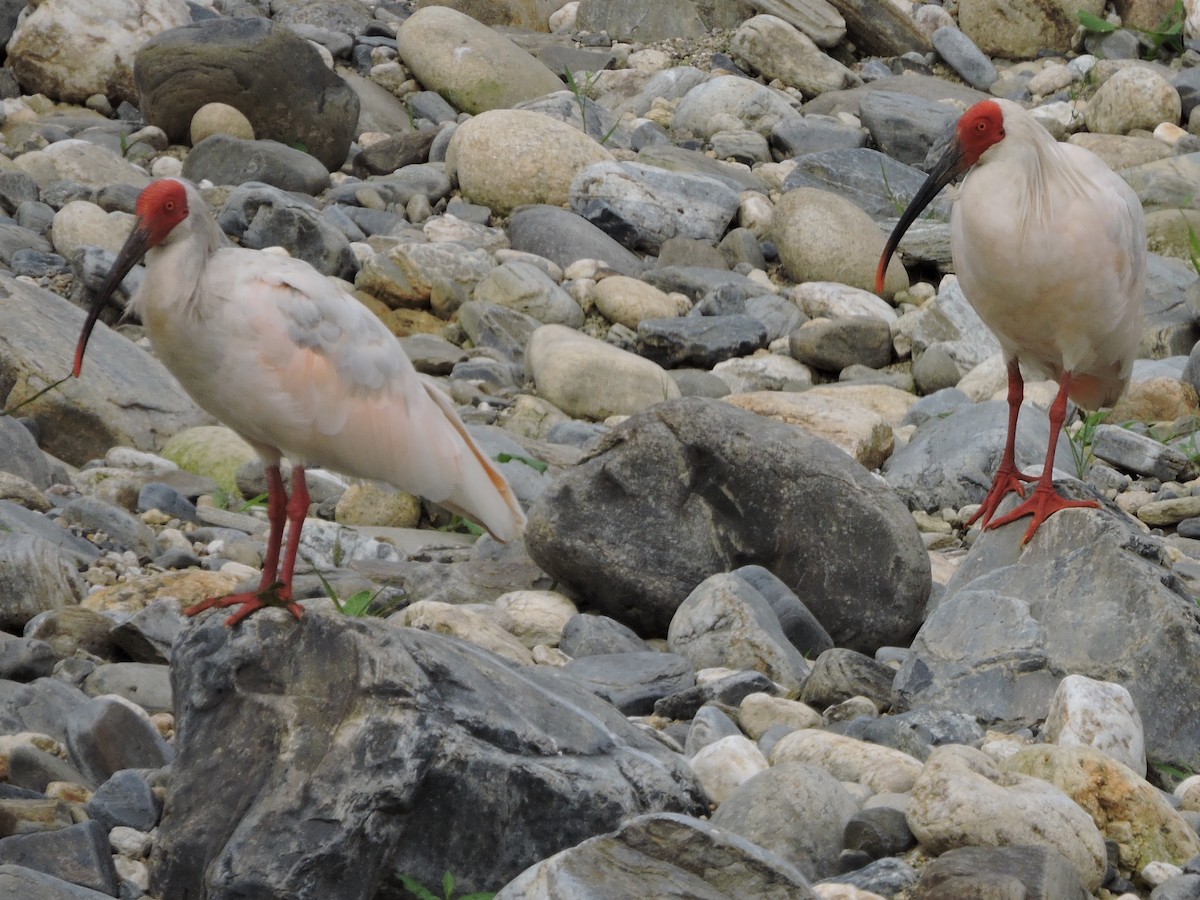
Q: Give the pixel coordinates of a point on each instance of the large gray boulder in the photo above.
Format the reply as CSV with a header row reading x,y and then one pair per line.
x,y
693,487
1089,595
274,77
326,757
124,396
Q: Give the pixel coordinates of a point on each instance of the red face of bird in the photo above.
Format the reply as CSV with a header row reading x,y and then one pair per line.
x,y
161,207
980,127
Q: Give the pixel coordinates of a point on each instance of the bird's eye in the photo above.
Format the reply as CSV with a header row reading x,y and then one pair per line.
x,y
169,205
981,125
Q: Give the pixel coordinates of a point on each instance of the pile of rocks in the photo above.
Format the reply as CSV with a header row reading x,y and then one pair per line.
x,y
747,647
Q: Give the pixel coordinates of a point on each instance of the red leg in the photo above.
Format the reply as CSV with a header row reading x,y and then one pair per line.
x,y
1008,478
269,593
1045,500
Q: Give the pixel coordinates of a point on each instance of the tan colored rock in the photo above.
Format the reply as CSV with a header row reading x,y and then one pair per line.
x,y
212,450
589,379
446,618
1020,29
1169,512
370,504
1188,791
626,301
860,432
80,224
824,237
507,158
873,765
1124,806
1133,98
220,118
723,765
188,586
891,403
1121,151
535,617
963,799
758,712
777,50
1155,400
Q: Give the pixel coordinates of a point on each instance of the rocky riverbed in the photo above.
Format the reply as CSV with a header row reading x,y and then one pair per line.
x,y
747,647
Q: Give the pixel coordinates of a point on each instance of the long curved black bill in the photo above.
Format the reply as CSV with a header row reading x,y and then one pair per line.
x,y
949,167
129,256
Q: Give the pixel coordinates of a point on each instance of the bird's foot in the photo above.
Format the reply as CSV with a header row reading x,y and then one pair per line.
x,y
1044,502
1009,480
275,595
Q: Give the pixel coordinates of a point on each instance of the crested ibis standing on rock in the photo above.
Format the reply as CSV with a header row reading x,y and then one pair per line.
x,y
298,368
1049,245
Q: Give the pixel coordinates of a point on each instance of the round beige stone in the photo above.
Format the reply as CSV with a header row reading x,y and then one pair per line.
x,y
627,301
220,118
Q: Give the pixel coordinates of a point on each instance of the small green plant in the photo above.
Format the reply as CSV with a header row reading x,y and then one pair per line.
x,y
419,890
1081,438
1193,244
358,604
581,92
458,524
535,464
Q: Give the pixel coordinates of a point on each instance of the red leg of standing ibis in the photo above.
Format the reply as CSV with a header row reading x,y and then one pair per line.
x,y
1008,478
1045,500
270,592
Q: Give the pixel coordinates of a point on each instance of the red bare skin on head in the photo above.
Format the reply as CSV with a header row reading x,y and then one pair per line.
x,y
161,207
980,127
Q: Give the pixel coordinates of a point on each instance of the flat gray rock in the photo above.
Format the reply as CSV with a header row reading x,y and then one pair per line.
x,y
223,159
564,237
1090,595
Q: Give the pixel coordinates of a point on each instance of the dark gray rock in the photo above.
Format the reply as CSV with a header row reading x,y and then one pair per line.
x,y
1014,621
801,135
632,682
637,204
635,544
35,576
24,659
1036,873
701,341
793,809
564,237
263,216
128,799
394,152
904,126
1172,317
833,344
15,238
936,405
79,854
888,877
871,180
839,674
1187,83
674,158
166,499
430,182
801,627
698,383
962,55
223,159
780,316
728,691
499,328
148,635
662,855
106,735
878,831
698,281
125,530
589,635
1138,453
950,461
21,881
33,769
274,77
365,728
